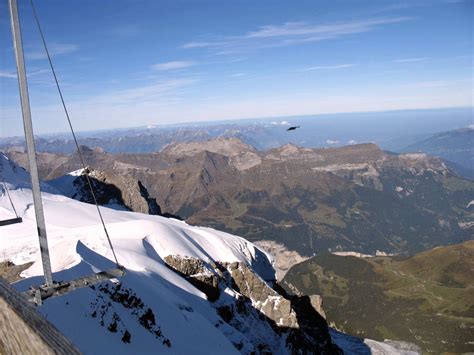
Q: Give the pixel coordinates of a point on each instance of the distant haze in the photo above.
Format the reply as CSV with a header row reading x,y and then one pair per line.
x,y
393,130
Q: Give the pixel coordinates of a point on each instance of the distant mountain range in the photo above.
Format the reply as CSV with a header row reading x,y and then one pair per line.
x,y
427,299
455,146
310,200
391,130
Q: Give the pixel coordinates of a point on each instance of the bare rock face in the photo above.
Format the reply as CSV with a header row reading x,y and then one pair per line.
x,y
241,155
197,273
110,190
265,299
262,311
317,303
283,258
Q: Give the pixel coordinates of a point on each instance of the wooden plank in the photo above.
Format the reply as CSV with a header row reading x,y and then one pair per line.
x,y
24,331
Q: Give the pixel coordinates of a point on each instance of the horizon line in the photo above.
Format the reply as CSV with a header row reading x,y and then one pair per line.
x,y
223,120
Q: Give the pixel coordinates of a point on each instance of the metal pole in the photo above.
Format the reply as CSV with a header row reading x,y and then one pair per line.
x,y
30,142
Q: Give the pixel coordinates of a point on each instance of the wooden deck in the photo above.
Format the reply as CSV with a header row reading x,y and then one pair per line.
x,y
24,331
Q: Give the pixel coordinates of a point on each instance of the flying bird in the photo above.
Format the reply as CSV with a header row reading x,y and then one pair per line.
x,y
292,128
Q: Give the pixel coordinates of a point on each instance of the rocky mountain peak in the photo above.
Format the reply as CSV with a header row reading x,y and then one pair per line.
x,y
293,152
289,148
242,156
225,146
86,150
354,153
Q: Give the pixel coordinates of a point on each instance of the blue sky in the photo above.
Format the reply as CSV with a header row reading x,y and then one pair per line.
x,y
133,63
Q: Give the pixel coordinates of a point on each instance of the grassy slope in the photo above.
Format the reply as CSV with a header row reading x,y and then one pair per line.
x,y
427,299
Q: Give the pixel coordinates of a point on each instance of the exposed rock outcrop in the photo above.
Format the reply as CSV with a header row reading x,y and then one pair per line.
x,y
317,303
240,155
283,258
110,189
270,319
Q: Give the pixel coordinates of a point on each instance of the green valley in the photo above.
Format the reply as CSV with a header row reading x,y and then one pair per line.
x,y
427,299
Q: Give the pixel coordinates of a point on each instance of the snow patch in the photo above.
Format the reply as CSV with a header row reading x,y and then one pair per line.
x,y
353,345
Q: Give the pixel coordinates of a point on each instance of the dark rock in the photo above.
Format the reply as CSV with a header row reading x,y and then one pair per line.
x,y
300,319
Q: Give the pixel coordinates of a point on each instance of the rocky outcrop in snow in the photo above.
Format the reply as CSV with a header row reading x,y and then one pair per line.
x,y
111,190
242,297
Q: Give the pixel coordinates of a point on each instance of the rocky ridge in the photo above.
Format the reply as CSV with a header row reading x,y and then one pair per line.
x,y
354,198
110,189
244,300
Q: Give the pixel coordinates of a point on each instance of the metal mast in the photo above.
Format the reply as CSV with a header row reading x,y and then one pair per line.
x,y
30,142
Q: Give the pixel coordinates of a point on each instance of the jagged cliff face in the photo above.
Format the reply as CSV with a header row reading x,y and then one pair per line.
x,y
110,189
272,321
356,198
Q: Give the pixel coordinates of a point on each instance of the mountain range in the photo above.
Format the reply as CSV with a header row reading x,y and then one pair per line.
x,y
390,130
295,202
456,147
355,198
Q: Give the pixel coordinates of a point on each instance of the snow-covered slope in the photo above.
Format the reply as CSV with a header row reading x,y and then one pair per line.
x,y
353,345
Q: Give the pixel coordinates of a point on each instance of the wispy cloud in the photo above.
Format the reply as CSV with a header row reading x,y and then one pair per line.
x,y
294,32
329,67
205,44
5,74
238,75
146,93
38,72
411,60
31,73
331,30
173,65
332,141
54,49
